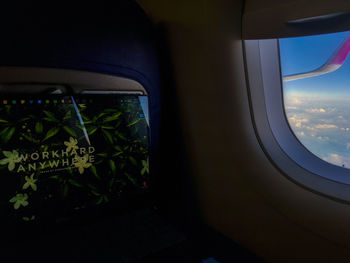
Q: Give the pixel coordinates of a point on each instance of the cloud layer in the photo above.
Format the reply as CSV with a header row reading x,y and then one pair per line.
x,y
322,125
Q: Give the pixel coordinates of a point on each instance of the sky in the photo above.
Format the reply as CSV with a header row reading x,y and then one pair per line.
x,y
318,108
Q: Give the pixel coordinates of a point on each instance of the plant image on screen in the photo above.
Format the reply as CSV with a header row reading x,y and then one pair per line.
x,y
62,155
316,90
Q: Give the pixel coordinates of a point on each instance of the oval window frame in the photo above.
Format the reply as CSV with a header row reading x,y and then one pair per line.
x,y
276,138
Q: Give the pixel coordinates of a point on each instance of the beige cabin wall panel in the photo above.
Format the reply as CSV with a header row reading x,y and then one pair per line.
x,y
240,192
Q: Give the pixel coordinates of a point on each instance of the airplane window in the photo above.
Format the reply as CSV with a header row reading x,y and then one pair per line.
x,y
315,80
301,108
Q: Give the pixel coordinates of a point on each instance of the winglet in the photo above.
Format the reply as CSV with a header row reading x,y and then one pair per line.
x,y
333,63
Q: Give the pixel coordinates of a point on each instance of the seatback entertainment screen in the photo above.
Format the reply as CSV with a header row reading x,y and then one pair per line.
x,y
60,155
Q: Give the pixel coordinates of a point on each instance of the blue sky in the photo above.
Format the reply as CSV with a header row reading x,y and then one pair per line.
x,y
318,108
304,54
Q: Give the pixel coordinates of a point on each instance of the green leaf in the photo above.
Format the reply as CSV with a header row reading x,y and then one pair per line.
x,y
92,131
98,162
118,148
132,180
99,116
70,131
3,121
30,138
108,127
117,154
108,136
110,183
65,190
48,119
112,166
132,160
51,132
5,130
85,118
95,193
92,187
121,136
7,136
24,119
75,183
8,108
99,201
112,118
133,123
13,199
94,171
39,127
50,116
88,122
67,116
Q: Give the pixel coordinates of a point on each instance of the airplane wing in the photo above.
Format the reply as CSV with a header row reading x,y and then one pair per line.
x,y
334,63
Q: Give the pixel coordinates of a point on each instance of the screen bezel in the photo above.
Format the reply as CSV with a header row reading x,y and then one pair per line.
x,y
77,79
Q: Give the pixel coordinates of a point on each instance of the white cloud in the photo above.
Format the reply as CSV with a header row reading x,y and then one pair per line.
x,y
337,159
309,128
291,108
301,133
323,138
295,118
326,126
320,110
297,121
295,101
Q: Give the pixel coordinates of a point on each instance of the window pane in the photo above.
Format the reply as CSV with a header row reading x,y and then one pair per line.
x,y
316,89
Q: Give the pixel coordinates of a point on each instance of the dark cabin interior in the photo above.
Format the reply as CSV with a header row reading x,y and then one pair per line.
x,y
214,193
